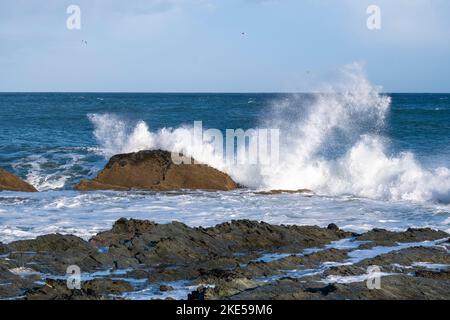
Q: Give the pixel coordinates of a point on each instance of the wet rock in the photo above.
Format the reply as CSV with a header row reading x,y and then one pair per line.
x,y
396,287
104,287
12,285
245,235
10,182
153,244
303,263
165,288
4,249
53,253
345,271
381,237
97,289
407,257
199,294
322,256
435,275
333,227
284,289
155,170
234,260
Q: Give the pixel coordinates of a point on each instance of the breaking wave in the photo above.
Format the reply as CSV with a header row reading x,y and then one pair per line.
x,y
330,142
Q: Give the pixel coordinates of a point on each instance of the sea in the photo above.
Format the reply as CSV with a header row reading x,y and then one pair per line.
x,y
370,158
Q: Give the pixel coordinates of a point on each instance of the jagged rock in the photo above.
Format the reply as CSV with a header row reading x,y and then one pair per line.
x,y
225,261
151,243
164,288
395,287
97,289
155,170
53,253
436,275
407,257
12,285
10,182
387,238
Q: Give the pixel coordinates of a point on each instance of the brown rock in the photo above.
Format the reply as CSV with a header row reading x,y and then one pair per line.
x,y
155,170
10,182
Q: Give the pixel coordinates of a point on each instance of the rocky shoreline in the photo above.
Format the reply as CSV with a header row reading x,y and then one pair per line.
x,y
10,182
243,259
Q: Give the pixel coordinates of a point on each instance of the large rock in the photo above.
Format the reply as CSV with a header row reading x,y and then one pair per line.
x,y
53,253
10,182
235,260
155,170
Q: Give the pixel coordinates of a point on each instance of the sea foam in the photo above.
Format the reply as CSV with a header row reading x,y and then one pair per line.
x,y
331,143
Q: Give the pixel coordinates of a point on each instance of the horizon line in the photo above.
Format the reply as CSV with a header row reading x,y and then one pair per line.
x,y
208,92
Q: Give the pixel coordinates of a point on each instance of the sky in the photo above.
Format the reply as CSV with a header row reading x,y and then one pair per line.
x,y
221,45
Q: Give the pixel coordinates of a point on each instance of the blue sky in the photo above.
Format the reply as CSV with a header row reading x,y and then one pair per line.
x,y
197,45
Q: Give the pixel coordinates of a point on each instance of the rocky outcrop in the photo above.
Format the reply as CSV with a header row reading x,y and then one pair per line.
x,y
97,289
394,287
10,182
387,238
155,170
53,253
235,260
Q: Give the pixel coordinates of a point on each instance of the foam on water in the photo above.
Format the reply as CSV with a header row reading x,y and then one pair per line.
x,y
432,266
357,278
60,168
25,215
330,144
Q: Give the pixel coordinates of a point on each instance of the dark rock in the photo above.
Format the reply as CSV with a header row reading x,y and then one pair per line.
x,y
53,253
155,170
12,285
175,243
345,270
407,257
436,275
333,227
396,287
199,294
164,288
388,238
324,291
97,289
107,287
224,261
4,249
10,182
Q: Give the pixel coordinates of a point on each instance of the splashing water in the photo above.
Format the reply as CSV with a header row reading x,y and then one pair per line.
x,y
330,143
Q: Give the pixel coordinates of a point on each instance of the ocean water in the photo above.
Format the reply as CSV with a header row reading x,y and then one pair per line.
x,y
372,159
